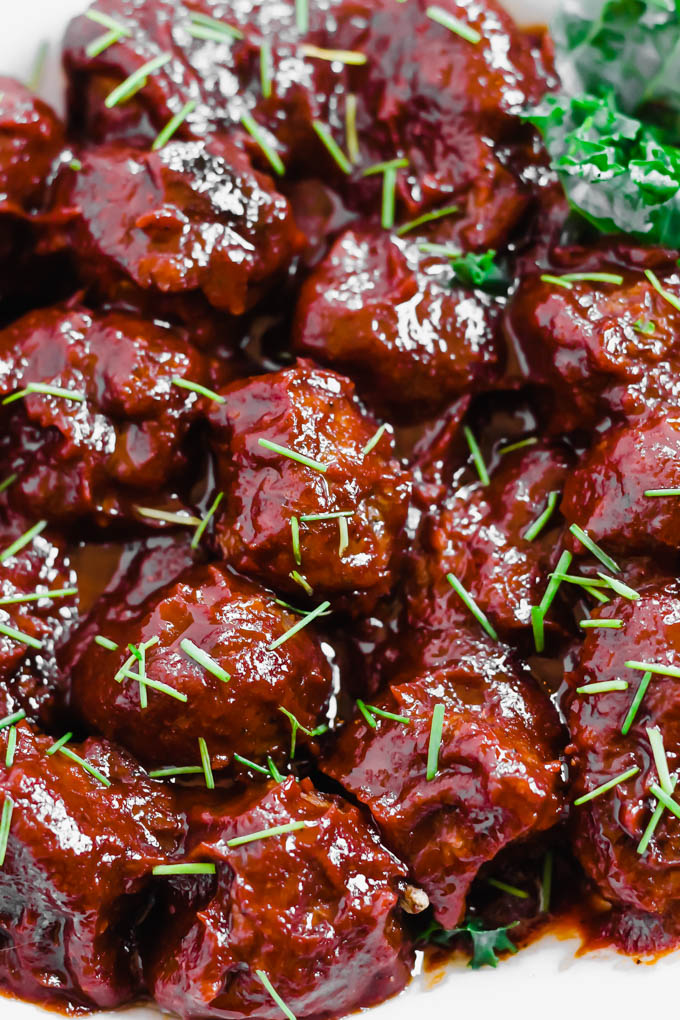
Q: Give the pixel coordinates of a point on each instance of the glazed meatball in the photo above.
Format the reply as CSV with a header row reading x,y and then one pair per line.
x,y
121,437
314,414
606,494
314,910
607,830
375,309
497,776
76,878
601,348
190,218
479,534
210,641
31,139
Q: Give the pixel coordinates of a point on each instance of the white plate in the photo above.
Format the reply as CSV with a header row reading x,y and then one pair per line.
x,y
545,980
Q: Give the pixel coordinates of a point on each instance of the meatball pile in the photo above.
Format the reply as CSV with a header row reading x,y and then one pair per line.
x,y
339,516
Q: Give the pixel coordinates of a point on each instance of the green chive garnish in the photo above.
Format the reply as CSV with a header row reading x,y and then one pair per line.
x,y
106,21
529,441
546,883
558,280
183,770
538,628
664,799
374,440
302,15
274,772
653,667
351,133
136,81
366,714
204,27
662,492
11,747
300,579
476,455
333,515
102,42
198,534
156,685
185,869
660,759
332,146
35,596
398,163
23,540
296,725
258,135
603,687
609,785
389,715
635,704
167,516
265,69
589,277
295,539
18,635
45,390
601,624
554,584
653,822
429,217
443,17
194,387
341,56
5,825
299,625
301,458
288,1013
436,730
585,540
276,830
534,529
389,193
7,482
251,765
644,326
60,746
512,890
665,294
10,720
204,660
105,643
472,605
446,251
205,762
619,587
344,536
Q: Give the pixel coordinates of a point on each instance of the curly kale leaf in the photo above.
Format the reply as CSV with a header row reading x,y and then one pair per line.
x,y
486,942
613,168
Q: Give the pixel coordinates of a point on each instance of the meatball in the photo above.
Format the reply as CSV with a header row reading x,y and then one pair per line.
x,y
190,218
76,877
497,776
313,911
479,534
375,309
120,436
211,642
330,528
607,830
31,139
601,348
605,495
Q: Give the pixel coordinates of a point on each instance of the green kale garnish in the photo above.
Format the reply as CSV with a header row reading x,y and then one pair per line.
x,y
479,271
486,942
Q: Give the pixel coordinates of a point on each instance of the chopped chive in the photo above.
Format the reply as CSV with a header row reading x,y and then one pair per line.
x,y
103,42
374,440
333,515
324,134
429,217
276,830
465,596
302,15
273,771
140,655
296,725
389,194
600,624
156,685
183,770
295,539
554,583
20,636
662,492
95,773
266,69
398,163
45,390
23,540
609,785
352,57
389,715
351,133
446,251
10,720
106,21
262,976
619,587
162,138
251,765
665,294
35,596
447,20
644,326
660,759
344,536
585,540
529,441
301,458
558,280
583,582
258,135
136,81
636,702
5,826
368,716
167,516
57,746
300,579
10,480
664,799
204,27
198,534
538,628
204,660
614,278
534,529
476,455
299,625
205,762
512,890
120,675
652,667
594,593
436,730
546,883
653,822
11,747
185,869
296,609
603,687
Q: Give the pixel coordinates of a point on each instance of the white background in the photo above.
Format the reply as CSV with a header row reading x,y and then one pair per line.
x,y
544,982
